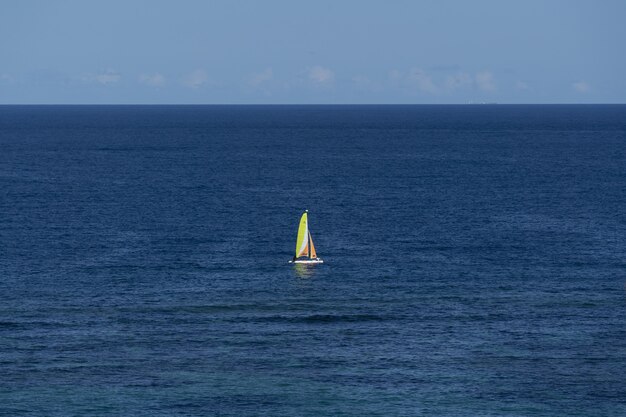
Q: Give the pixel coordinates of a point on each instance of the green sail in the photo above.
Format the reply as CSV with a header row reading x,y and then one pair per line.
x,y
302,244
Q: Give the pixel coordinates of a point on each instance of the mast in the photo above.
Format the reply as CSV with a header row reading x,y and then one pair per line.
x,y
308,246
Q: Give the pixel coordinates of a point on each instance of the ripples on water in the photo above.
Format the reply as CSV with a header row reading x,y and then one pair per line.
x,y
474,260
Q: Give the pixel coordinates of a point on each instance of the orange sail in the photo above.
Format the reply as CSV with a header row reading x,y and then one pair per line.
x,y
313,254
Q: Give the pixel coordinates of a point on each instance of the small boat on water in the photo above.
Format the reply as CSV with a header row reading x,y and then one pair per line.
x,y
305,250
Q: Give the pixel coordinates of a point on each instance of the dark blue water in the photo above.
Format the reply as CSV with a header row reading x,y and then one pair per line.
x,y
475,260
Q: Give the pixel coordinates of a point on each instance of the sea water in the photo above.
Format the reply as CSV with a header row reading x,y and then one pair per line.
x,y
475,260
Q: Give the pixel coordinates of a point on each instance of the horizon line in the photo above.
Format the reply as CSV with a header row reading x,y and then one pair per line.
x,y
318,104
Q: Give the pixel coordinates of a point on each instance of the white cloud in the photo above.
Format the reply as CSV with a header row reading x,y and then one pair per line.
x,y
422,81
360,79
321,75
362,82
458,80
415,79
154,80
107,77
581,86
261,77
196,78
484,81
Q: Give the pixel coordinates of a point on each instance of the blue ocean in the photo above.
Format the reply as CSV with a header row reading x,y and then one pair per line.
x,y
475,260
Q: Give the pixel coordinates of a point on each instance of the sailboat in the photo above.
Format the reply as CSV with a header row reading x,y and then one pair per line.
x,y
305,250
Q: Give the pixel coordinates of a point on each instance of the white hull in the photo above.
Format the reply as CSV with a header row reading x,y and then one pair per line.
x,y
307,261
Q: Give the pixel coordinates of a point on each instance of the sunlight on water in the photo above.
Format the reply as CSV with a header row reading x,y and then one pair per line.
x,y
304,271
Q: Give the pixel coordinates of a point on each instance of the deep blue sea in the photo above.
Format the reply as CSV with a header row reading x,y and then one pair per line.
x,y
475,260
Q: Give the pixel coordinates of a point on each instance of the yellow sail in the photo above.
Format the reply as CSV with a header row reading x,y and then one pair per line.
x,y
313,254
302,244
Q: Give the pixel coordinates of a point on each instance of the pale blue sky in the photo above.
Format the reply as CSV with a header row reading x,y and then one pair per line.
x,y
340,51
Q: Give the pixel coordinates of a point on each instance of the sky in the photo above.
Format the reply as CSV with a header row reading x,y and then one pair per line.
x,y
312,52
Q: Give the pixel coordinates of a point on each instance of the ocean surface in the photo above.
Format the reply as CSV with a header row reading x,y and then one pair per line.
x,y
475,260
